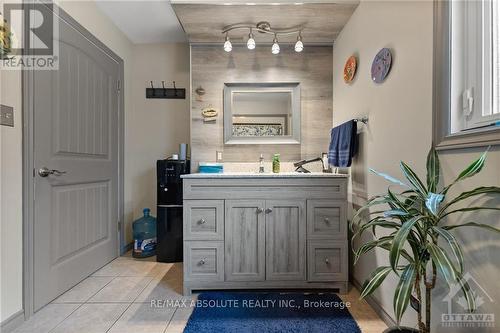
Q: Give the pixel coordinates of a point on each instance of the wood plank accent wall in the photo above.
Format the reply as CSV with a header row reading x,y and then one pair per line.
x,y
211,67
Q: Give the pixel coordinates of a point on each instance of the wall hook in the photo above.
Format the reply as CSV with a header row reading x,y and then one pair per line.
x,y
163,92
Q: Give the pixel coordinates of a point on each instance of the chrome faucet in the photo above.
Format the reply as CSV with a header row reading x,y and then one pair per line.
x,y
261,166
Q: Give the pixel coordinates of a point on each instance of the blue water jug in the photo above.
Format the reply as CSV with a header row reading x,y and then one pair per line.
x,y
144,230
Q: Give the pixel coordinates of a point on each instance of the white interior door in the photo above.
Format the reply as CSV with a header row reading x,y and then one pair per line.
x,y
76,132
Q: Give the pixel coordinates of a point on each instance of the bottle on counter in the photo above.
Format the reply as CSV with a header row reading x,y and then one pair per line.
x,y
276,163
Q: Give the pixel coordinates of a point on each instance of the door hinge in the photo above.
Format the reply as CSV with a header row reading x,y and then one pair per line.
x,y
118,85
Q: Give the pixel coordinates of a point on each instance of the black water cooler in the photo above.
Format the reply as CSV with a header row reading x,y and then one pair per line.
x,y
169,209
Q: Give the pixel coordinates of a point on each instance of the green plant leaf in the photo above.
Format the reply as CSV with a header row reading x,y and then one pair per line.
x,y
433,201
403,291
454,245
471,224
432,170
468,209
372,202
377,222
404,254
388,177
469,295
472,193
412,177
473,169
400,239
374,280
395,212
368,246
443,263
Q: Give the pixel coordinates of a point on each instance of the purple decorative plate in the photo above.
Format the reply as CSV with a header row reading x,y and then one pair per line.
x,y
381,65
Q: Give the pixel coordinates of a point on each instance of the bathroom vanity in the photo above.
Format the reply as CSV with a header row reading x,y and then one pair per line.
x,y
263,231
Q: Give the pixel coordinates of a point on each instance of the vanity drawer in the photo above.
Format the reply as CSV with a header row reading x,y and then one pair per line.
x,y
326,219
203,260
204,220
327,260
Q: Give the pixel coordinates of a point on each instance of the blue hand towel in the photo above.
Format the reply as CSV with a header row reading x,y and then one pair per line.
x,y
343,144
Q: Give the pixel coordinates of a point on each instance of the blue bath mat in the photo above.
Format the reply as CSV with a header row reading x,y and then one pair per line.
x,y
244,312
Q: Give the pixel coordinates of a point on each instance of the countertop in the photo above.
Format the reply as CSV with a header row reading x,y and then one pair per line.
x,y
264,175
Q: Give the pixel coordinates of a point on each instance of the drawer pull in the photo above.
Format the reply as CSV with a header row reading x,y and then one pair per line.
x,y
202,221
327,220
327,261
201,262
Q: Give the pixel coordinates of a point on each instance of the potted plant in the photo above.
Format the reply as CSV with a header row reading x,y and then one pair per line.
x,y
420,244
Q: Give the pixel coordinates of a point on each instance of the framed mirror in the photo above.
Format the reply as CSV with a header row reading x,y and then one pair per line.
x,y
261,113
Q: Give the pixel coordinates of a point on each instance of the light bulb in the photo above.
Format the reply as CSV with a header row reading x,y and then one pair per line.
x,y
251,41
299,46
275,49
227,45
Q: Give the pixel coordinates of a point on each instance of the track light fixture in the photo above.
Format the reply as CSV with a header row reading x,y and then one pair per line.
x,y
265,28
251,41
227,44
299,46
275,49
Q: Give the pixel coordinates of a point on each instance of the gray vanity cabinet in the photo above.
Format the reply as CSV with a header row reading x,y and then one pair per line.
x,y
285,239
263,232
245,240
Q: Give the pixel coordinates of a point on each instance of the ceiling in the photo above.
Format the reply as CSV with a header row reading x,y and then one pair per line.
x,y
156,21
321,22
144,21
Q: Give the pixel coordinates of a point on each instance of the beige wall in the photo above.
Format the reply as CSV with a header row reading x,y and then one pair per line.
x,y
400,112
211,67
11,251
155,126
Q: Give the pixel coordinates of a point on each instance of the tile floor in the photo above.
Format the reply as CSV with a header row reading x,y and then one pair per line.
x,y
117,299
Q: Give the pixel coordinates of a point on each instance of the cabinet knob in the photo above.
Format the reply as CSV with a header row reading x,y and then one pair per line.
x,y
269,210
327,220
259,210
202,221
327,261
202,262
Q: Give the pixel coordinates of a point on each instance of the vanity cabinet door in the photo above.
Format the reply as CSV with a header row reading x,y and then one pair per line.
x,y
285,240
244,240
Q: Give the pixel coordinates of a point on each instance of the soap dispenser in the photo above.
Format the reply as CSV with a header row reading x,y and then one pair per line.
x,y
261,164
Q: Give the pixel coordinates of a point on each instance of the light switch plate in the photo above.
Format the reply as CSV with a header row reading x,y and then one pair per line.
x,y
6,115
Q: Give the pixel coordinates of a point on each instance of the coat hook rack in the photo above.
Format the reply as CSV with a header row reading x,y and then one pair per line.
x,y
167,93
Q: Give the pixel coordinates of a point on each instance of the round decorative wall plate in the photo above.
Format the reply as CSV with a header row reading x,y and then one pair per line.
x,y
381,65
350,69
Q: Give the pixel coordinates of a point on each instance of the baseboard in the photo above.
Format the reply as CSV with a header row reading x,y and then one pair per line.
x,y
372,301
13,322
127,248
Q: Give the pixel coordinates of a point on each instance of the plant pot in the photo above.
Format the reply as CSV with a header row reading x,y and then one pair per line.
x,y
401,329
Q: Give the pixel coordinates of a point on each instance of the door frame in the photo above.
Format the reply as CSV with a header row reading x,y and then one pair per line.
x,y
29,167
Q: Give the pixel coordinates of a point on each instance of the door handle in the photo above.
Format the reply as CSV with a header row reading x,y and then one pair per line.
x,y
259,210
45,172
269,210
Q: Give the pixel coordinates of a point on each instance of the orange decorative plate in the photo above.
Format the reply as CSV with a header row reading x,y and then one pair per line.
x,y
350,69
